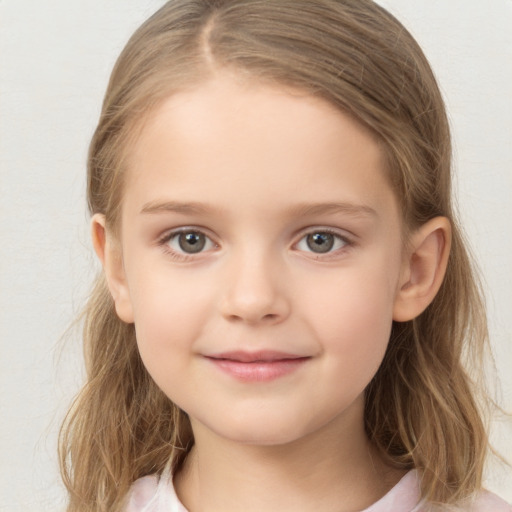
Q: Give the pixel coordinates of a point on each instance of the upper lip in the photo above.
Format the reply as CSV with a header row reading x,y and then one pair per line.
x,y
253,357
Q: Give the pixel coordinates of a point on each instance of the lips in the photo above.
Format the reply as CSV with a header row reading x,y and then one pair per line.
x,y
256,357
258,366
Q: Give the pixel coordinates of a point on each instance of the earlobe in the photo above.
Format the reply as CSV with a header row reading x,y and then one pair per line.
x,y
423,270
109,253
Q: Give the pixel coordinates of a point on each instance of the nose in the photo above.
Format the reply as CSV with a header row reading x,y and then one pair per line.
x,y
255,292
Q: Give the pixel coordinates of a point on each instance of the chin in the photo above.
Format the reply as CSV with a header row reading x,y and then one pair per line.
x,y
260,432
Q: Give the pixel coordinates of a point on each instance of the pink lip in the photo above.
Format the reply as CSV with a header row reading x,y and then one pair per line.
x,y
257,366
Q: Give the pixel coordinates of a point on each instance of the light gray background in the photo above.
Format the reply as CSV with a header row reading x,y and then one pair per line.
x,y
55,57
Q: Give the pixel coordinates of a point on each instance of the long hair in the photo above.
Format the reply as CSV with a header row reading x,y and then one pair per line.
x,y
421,407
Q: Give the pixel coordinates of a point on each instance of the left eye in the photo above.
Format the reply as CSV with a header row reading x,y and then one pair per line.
x,y
321,242
189,242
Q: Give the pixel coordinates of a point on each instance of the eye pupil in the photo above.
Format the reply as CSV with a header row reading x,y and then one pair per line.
x,y
192,242
320,242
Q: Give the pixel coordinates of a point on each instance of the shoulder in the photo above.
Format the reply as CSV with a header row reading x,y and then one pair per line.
x,y
405,497
141,494
483,502
487,501
153,494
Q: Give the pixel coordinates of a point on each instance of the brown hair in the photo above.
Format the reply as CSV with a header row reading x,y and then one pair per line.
x,y
421,409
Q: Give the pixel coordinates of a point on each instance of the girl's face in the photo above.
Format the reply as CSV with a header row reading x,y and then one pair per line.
x,y
261,259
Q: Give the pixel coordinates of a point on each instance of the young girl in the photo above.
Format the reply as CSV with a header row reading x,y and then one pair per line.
x,y
287,314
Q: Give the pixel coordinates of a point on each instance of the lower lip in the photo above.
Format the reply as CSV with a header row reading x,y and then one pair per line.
x,y
259,371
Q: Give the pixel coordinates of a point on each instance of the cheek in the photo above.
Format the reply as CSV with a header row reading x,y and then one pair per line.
x,y
360,329
169,314
353,319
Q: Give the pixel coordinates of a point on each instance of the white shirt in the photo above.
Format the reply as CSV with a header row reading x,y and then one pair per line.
x,y
153,494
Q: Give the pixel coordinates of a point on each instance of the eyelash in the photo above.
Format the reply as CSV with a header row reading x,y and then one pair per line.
x,y
178,255
346,242
185,257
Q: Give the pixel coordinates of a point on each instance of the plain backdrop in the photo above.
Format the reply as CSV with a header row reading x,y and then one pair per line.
x,y
55,58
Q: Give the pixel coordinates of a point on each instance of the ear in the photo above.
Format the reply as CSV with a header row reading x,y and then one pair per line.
x,y
109,253
423,269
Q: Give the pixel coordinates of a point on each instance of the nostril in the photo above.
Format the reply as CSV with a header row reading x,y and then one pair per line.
x,y
252,296
254,316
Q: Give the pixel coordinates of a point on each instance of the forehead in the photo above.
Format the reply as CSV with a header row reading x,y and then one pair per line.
x,y
235,143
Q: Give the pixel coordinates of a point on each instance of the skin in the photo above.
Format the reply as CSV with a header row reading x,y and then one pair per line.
x,y
257,169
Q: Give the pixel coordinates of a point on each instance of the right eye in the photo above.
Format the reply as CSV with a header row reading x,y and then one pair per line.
x,y
188,242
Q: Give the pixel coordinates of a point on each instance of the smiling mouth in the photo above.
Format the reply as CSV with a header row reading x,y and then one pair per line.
x,y
260,366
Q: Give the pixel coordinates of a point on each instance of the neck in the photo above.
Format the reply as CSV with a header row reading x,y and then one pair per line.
x,y
335,469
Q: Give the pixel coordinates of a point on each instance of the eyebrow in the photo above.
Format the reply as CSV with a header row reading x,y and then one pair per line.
x,y
354,210
176,207
300,210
